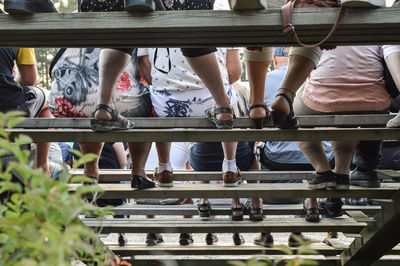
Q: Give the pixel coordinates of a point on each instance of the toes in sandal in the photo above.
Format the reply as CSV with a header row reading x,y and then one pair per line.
x,y
141,182
237,217
211,239
258,122
281,119
238,239
212,113
312,214
102,125
204,210
256,214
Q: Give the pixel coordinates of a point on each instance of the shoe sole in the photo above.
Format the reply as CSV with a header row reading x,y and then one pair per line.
x,y
367,184
165,184
249,4
363,3
342,187
231,184
140,6
185,242
323,185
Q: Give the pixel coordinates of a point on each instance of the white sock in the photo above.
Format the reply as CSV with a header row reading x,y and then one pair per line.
x,y
229,166
164,167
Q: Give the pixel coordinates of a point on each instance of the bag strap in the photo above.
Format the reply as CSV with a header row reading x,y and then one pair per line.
x,y
55,60
289,29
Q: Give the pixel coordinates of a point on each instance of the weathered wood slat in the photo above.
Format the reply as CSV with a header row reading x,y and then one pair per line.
x,y
276,209
196,249
194,225
208,135
167,29
199,122
243,191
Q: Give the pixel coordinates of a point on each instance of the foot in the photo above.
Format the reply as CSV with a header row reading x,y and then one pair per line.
x,y
204,209
185,239
139,5
330,235
29,6
323,180
153,239
248,4
296,240
238,239
237,212
122,240
256,212
221,117
342,182
211,239
231,179
394,122
107,118
310,208
333,206
165,178
264,240
283,105
258,114
364,178
141,182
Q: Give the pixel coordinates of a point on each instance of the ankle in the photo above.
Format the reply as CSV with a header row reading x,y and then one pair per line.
x,y
229,166
164,167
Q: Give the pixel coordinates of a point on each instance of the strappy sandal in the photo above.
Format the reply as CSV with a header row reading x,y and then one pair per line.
x,y
258,122
256,214
281,119
102,125
237,217
238,239
141,182
212,113
204,213
312,214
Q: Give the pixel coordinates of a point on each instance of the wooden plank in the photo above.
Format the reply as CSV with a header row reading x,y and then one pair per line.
x,y
171,29
201,122
269,209
195,225
197,249
208,135
243,191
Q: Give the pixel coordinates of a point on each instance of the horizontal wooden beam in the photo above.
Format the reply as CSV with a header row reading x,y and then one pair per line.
x,y
373,120
198,28
221,249
224,225
208,135
269,209
243,191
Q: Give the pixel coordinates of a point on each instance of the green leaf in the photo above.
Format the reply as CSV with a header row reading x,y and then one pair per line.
x,y
82,179
23,139
15,121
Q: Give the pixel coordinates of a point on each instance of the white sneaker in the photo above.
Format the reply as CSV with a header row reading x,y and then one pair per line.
x,y
363,3
394,122
248,4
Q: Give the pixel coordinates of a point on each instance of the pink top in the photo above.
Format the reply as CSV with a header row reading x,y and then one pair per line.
x,y
348,78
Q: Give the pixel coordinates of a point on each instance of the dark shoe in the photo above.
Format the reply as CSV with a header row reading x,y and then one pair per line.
x,y
248,5
139,5
281,119
333,207
102,125
153,239
204,210
29,6
312,214
323,180
342,182
256,214
368,179
264,240
235,210
258,122
122,240
141,182
296,240
185,239
211,239
165,178
231,179
212,112
330,235
238,239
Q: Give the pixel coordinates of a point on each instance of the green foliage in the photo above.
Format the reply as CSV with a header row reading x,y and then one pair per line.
x,y
39,222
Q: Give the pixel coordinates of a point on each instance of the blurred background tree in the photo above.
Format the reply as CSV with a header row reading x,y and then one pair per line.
x,y
44,56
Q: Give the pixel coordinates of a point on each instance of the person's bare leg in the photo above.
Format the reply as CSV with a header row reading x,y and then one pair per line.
x,y
139,152
344,151
91,169
255,202
163,151
229,150
206,67
257,72
315,153
43,148
111,65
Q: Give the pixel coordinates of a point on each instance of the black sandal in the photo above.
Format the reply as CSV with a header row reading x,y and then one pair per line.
x,y
256,214
237,217
204,213
212,113
312,214
238,239
211,238
102,125
141,182
258,122
281,119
